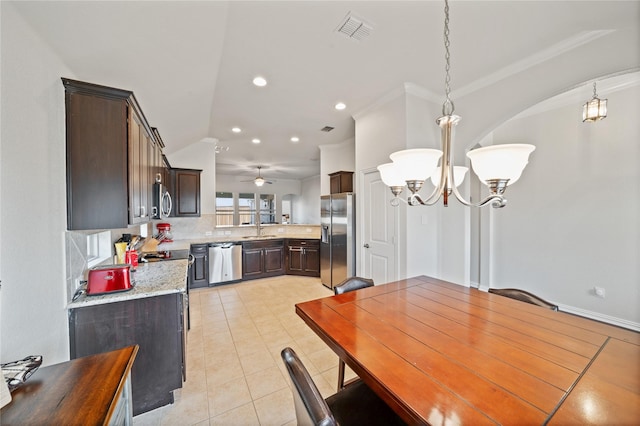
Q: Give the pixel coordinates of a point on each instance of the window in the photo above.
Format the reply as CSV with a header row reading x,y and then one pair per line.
x,y
267,208
240,209
224,209
247,208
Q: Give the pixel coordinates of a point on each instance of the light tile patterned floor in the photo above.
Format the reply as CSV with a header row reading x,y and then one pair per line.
x,y
235,375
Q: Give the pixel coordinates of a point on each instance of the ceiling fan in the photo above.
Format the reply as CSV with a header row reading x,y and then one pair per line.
x,y
259,180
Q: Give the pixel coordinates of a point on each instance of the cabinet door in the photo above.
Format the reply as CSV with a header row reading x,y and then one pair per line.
x,y
252,262
96,148
186,186
294,260
199,273
138,170
312,261
274,259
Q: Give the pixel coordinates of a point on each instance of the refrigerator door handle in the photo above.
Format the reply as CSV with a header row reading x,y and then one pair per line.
x,y
325,234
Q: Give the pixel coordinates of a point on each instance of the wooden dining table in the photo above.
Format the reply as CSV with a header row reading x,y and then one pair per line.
x,y
440,353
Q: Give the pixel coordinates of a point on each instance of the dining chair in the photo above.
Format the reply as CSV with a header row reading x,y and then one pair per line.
x,y
523,296
350,284
356,404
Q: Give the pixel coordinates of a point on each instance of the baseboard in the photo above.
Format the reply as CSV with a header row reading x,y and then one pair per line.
x,y
619,322
600,317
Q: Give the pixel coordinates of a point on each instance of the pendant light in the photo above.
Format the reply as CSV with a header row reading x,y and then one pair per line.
x,y
497,166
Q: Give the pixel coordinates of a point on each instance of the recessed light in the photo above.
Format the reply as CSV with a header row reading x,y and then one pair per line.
x,y
295,139
340,106
255,140
260,81
236,130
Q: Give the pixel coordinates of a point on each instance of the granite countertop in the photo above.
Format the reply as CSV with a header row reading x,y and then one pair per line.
x,y
151,279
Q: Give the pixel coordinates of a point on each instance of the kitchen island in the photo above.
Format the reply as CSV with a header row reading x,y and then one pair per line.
x,y
153,316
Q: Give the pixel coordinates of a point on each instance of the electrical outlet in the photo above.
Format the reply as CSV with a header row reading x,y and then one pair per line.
x,y
208,233
599,291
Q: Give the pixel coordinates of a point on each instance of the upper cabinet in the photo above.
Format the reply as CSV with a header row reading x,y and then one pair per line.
x,y
340,182
113,156
185,190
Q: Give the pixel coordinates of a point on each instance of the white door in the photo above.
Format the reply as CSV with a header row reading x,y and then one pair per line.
x,y
379,234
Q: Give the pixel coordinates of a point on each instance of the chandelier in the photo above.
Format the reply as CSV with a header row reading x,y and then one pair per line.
x,y
497,166
595,109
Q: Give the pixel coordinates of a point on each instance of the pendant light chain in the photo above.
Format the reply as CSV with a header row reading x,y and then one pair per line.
x,y
447,106
594,90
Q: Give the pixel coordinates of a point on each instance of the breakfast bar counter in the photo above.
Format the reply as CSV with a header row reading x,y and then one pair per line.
x,y
150,279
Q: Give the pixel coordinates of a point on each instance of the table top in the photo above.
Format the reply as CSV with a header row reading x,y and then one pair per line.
x,y
82,391
441,353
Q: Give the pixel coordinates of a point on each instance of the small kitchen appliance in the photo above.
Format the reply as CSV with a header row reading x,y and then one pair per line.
x,y
109,279
164,233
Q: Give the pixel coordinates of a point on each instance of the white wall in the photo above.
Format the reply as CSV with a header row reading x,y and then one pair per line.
x,y
573,219
200,155
306,206
335,158
33,315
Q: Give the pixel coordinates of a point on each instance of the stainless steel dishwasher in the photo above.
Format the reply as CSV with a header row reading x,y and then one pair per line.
x,y
225,262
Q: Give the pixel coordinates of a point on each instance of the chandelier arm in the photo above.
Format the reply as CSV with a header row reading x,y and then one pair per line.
x,y
497,200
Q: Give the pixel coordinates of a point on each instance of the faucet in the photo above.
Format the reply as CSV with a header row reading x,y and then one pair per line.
x,y
258,224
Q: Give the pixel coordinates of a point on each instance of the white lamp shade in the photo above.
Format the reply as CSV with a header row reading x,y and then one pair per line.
x,y
416,164
390,175
500,161
258,181
459,173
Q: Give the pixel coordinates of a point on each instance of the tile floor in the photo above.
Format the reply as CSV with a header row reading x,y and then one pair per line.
x,y
235,375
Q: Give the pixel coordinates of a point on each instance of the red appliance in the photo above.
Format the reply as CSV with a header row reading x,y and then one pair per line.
x,y
164,233
109,279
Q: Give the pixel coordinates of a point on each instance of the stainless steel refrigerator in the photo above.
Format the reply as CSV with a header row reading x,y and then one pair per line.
x,y
338,238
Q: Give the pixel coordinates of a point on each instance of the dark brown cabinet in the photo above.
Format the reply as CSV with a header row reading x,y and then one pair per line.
x,y
262,259
156,324
199,271
303,257
109,149
185,190
340,182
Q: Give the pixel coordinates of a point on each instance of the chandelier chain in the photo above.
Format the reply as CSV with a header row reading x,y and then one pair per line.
x,y
447,106
594,90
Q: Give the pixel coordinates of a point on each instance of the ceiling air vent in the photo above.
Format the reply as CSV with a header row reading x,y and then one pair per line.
x,y
327,129
354,27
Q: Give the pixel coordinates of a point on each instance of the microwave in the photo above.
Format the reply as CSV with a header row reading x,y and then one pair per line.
x,y
161,202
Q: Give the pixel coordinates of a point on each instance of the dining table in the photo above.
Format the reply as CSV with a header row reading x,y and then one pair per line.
x,y
440,353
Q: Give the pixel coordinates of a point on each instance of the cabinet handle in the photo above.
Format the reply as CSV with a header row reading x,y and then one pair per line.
x,y
143,211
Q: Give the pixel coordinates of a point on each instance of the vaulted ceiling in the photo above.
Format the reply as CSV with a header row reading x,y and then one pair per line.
x,y
191,64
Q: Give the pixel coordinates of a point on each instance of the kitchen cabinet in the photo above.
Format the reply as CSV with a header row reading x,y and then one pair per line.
x,y
262,259
108,150
199,271
340,182
303,257
185,190
156,324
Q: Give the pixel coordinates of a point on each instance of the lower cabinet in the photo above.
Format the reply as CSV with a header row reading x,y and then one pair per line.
x,y
199,271
156,324
303,257
261,259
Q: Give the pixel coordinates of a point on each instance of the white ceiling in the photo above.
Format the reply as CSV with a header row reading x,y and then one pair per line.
x,y
190,64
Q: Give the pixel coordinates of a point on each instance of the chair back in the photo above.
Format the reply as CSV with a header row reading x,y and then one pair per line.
x,y
311,408
351,284
523,296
